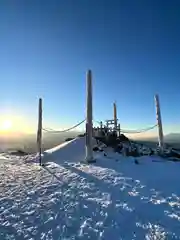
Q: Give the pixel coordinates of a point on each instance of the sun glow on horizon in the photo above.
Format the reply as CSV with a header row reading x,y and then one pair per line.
x,y
6,125
14,124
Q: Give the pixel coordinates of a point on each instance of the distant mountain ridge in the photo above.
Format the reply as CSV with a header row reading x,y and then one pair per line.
x,y
171,137
27,142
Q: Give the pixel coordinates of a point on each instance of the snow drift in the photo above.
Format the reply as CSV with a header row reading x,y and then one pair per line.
x,y
72,151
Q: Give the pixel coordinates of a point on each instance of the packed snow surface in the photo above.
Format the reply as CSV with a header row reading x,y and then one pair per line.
x,y
113,198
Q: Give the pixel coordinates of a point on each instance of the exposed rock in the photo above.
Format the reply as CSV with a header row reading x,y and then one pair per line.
x,y
68,139
18,153
82,135
123,138
95,149
136,161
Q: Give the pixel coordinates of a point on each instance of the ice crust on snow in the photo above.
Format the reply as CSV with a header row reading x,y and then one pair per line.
x,y
109,199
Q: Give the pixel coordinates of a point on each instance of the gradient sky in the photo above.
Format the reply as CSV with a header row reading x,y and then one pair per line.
x,y
132,47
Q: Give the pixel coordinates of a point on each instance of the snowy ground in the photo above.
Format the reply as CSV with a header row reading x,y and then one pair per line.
x,y
111,199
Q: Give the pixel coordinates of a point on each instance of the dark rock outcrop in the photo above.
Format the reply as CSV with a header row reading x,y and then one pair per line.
x,y
68,139
123,138
82,135
18,153
96,149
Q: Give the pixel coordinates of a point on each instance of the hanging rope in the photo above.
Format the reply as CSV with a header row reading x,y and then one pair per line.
x,y
138,131
50,130
66,130
97,122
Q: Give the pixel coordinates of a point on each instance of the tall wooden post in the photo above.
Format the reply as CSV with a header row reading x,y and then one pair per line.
x,y
101,125
159,123
119,129
39,131
89,116
101,129
115,116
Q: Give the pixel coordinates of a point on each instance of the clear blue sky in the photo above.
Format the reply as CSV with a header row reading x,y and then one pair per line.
x,y
132,47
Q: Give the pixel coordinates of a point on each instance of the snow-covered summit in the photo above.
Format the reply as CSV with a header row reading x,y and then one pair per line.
x,y
113,198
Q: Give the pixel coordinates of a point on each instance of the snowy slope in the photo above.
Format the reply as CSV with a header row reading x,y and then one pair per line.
x,y
111,199
73,150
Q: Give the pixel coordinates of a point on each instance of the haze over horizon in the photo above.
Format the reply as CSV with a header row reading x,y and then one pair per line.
x,y
132,48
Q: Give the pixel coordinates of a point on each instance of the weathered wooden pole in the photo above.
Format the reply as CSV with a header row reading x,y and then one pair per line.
x,y
115,116
159,123
39,131
89,118
101,125
119,129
